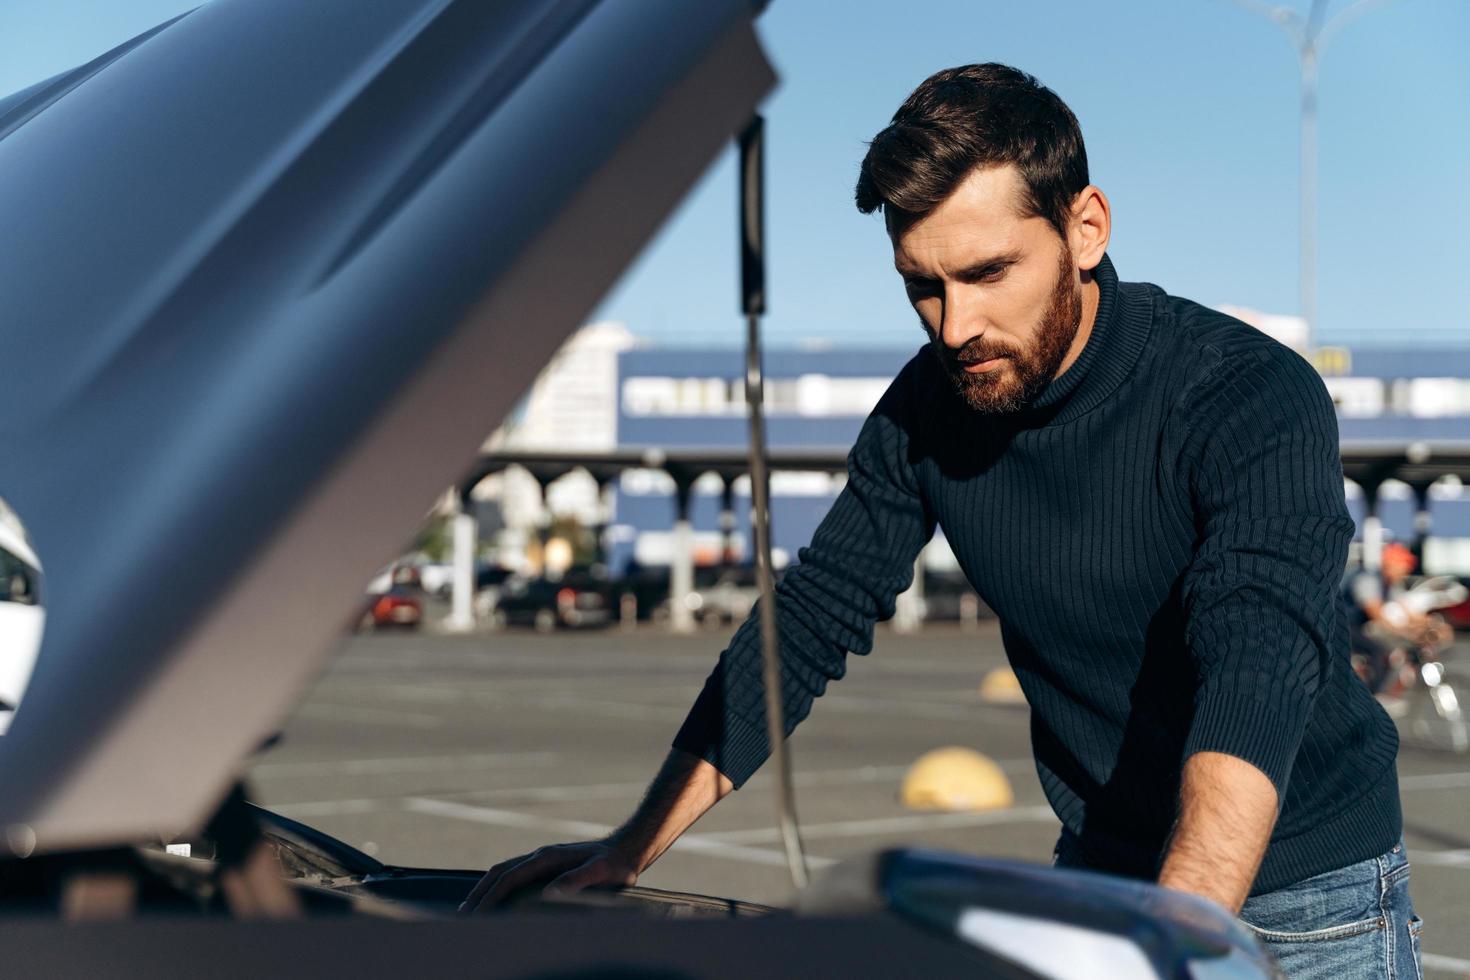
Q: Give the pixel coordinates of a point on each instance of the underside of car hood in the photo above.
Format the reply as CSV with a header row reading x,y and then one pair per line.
x,y
276,270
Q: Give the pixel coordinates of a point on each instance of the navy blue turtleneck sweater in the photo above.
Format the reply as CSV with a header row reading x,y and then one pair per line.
x,y
1162,533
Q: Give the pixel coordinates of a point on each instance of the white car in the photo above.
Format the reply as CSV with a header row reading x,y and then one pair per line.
x,y
22,617
437,578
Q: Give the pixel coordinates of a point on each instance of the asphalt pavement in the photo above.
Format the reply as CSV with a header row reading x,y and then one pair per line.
x,y
460,751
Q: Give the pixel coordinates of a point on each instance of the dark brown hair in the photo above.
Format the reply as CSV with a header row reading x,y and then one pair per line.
x,y
976,116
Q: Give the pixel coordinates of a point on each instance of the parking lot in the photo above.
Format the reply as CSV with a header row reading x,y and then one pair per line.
x,y
461,751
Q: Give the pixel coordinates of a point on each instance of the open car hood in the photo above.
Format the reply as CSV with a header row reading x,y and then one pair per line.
x,y
275,269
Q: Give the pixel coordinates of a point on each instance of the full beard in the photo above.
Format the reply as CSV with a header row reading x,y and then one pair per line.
x,y
1015,383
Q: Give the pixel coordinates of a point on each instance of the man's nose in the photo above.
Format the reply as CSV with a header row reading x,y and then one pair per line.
x,y
962,319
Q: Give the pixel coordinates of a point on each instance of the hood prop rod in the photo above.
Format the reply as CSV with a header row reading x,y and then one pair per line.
x,y
753,302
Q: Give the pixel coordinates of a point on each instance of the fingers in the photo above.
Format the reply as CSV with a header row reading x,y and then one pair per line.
x,y
593,872
488,879
573,881
541,864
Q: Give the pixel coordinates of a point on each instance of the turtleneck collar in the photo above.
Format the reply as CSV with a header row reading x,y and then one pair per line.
x,y
1120,329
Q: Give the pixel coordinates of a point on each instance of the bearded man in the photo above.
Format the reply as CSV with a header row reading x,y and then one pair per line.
x,y
1149,495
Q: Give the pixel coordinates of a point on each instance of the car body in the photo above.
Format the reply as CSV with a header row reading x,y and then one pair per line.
x,y
265,242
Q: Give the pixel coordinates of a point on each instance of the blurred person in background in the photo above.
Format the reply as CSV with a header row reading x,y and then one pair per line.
x,y
1379,622
1147,492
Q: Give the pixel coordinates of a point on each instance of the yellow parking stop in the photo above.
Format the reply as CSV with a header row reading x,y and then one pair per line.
x,y
1001,687
955,778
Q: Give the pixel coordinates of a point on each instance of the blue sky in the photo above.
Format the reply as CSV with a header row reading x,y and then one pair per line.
x,y
1189,109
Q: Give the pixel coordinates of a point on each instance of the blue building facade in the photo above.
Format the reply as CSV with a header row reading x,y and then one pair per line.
x,y
694,399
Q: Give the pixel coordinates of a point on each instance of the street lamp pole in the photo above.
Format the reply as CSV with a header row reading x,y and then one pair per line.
x,y
1309,35
1307,218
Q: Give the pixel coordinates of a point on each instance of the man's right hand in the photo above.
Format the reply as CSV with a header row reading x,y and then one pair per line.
x,y
567,868
685,787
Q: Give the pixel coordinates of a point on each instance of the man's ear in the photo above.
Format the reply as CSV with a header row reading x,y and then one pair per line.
x,y
1091,227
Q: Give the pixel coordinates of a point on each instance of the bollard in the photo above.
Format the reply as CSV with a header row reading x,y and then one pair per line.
x,y
969,612
628,612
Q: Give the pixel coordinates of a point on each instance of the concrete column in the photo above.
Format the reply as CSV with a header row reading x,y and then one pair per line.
x,y
727,522
908,616
969,612
681,561
605,488
1422,521
628,612
462,603
544,517
1372,529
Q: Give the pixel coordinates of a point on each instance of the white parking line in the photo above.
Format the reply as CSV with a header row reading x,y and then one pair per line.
x,y
694,843
405,764
503,818
611,791
702,844
968,708
576,792
1443,859
325,808
892,825
1449,964
556,794
581,792
909,708
1438,780
553,702
562,661
346,712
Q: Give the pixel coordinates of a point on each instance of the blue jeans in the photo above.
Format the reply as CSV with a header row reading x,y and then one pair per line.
x,y
1355,923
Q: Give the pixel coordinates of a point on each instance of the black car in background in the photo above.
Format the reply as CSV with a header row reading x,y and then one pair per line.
x,y
580,598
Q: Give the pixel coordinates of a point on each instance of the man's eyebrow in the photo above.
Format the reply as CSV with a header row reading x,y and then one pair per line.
x,y
973,271
986,266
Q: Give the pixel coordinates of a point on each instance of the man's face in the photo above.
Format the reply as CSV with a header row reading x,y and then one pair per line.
x,y
997,293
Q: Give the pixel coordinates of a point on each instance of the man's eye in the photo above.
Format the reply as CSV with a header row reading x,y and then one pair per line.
x,y
919,285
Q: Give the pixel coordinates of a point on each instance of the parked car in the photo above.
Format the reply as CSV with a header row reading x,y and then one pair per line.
x,y
264,248
22,615
401,607
437,578
949,596
576,599
396,575
1458,615
394,599
646,588
489,580
721,596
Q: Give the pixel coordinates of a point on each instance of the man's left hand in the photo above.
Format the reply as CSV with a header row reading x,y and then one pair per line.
x,y
1227,808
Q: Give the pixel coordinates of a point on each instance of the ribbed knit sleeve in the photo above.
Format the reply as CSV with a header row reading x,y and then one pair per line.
x,y
860,558
1260,594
